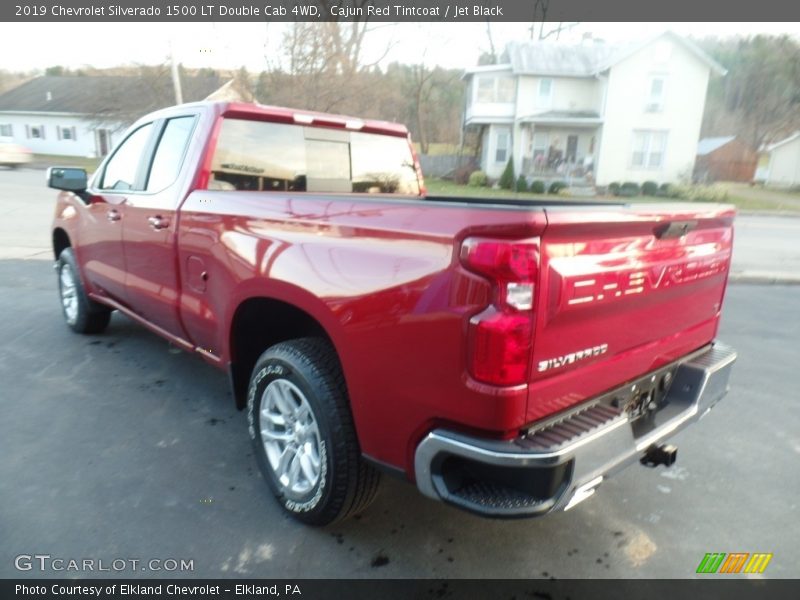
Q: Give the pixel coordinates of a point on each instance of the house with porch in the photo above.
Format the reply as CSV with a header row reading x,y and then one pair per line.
x,y
594,113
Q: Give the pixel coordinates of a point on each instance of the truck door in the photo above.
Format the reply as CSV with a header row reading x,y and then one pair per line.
x,y
148,237
100,250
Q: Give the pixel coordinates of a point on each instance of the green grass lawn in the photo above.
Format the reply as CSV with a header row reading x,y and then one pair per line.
x,y
55,160
439,148
441,187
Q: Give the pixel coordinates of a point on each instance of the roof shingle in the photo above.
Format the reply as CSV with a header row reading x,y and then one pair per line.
x,y
104,94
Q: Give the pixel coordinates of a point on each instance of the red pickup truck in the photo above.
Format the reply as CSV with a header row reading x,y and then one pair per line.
x,y
506,355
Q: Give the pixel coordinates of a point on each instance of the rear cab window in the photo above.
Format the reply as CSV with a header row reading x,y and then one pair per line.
x,y
263,156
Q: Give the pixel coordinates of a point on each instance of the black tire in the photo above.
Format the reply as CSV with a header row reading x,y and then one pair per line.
x,y
346,484
88,316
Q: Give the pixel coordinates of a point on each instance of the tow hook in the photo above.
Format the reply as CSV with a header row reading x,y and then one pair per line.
x,y
660,455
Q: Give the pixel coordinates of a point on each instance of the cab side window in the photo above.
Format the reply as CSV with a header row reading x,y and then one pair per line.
x,y
169,154
121,170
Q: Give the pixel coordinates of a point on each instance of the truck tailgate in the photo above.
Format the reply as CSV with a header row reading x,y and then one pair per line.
x,y
622,292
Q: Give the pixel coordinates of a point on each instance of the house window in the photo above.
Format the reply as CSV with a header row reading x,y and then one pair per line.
x,y
545,95
655,96
6,130
485,89
66,133
35,132
648,149
503,142
496,89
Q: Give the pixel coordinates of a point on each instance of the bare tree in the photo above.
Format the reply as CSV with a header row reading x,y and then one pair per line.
x,y
422,89
557,30
540,8
492,51
320,65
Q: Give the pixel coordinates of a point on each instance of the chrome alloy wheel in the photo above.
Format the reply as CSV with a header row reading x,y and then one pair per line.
x,y
69,293
291,437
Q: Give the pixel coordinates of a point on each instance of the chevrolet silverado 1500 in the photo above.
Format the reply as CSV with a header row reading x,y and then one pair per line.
x,y
507,356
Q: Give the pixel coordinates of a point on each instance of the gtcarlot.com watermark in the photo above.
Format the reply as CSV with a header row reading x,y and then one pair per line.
x,y
48,563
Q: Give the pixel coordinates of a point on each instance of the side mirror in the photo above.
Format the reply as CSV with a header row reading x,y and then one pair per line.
x,y
70,179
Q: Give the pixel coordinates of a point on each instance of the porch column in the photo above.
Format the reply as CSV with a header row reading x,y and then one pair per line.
x,y
518,145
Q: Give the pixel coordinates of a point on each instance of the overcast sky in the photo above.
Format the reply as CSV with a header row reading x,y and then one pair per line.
x,y
25,46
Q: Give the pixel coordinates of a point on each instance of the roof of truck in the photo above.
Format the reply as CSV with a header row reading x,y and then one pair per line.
x,y
308,117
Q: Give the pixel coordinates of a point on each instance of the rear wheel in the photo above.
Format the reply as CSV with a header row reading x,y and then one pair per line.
x,y
81,313
303,435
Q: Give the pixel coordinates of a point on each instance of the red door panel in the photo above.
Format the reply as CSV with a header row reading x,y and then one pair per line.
x,y
100,249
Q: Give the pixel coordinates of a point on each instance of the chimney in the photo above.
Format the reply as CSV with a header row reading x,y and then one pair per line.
x,y
49,95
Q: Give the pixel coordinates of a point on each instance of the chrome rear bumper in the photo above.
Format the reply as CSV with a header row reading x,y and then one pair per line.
x,y
561,463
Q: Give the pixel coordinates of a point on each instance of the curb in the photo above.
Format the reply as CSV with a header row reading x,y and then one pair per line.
x,y
764,278
768,213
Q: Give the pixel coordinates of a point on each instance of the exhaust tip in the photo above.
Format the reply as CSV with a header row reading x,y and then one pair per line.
x,y
665,455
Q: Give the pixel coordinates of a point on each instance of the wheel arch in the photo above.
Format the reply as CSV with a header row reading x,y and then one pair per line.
x,y
261,321
61,241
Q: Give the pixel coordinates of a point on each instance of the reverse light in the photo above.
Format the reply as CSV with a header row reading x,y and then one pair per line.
x,y
519,295
500,338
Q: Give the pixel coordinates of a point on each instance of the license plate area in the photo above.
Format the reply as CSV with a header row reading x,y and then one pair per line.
x,y
646,402
643,399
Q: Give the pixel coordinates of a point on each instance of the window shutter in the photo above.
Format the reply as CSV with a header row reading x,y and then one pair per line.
x,y
41,130
28,131
74,134
58,131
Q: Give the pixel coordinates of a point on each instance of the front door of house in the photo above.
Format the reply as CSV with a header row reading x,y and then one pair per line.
x,y
572,148
103,142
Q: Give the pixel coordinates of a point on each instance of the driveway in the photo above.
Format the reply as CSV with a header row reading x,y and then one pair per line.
x,y
119,446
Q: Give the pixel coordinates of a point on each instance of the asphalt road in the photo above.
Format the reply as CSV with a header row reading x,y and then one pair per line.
x,y
118,447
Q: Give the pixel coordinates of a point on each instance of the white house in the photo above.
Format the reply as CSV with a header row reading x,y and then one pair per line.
x,y
83,115
783,165
592,113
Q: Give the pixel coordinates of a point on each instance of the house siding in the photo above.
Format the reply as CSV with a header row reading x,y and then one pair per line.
x,y
84,143
492,167
568,94
684,100
734,161
784,165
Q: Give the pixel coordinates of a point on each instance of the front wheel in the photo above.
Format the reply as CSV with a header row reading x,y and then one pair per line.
x,y
81,313
303,435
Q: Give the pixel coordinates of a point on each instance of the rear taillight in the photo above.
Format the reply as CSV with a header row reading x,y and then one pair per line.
x,y
500,337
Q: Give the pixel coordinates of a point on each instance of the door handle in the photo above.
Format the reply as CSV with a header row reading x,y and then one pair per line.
x,y
113,215
158,222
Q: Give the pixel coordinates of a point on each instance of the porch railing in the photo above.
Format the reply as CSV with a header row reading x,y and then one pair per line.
x,y
563,170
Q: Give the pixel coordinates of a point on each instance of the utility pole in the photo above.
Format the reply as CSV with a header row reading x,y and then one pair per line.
x,y
176,77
